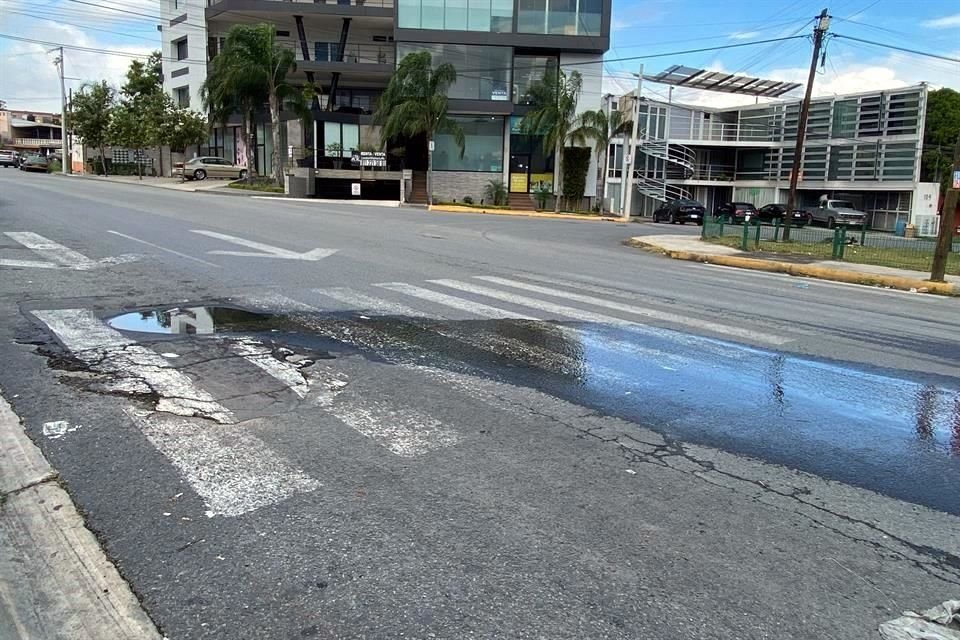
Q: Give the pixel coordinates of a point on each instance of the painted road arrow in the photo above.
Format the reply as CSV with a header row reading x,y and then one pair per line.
x,y
263,250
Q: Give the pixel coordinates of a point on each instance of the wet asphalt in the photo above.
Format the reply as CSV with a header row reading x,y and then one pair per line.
x,y
657,479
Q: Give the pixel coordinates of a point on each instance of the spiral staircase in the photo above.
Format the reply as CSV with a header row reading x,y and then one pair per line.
x,y
679,163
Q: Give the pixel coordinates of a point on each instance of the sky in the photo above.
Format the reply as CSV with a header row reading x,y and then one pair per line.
x,y
28,77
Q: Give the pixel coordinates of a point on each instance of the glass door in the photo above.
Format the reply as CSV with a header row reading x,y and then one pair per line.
x,y
520,173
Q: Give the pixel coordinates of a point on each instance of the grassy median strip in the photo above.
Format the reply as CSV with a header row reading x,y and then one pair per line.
x,y
265,187
915,260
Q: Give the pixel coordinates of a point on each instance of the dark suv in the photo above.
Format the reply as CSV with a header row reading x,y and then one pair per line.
x,y
680,210
735,212
771,212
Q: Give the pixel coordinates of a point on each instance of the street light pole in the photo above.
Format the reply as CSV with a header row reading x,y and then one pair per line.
x,y
823,23
947,220
63,114
629,151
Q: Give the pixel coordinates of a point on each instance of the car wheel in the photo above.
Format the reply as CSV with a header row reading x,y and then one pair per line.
x,y
673,218
200,174
243,174
831,223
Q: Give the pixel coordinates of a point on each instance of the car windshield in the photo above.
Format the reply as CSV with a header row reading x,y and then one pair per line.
x,y
743,205
842,204
690,202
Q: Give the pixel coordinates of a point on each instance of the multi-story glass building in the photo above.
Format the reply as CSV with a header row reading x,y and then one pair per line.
x,y
348,50
864,148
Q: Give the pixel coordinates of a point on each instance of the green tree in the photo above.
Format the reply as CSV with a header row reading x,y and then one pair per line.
x,y
940,135
143,109
252,66
415,103
227,90
89,117
554,116
603,128
184,128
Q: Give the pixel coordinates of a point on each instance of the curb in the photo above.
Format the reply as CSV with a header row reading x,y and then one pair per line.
x,y
810,271
522,213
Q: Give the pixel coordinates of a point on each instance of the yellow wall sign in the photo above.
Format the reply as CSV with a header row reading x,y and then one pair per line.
x,y
518,183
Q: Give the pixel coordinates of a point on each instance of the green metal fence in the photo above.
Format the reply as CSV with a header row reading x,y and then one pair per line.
x,y
854,244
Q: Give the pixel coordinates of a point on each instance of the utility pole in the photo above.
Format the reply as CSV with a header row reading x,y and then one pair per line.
x,y
64,153
823,23
629,151
947,220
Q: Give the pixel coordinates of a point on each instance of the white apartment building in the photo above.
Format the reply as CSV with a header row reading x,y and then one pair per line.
x,y
865,148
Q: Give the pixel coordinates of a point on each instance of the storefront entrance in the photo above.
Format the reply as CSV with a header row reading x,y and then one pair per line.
x,y
520,173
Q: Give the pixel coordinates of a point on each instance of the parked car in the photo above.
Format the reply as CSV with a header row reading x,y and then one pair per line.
x,y
680,210
35,163
771,212
205,167
735,212
834,212
9,158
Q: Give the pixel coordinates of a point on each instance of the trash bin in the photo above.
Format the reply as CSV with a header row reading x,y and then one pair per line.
x,y
901,228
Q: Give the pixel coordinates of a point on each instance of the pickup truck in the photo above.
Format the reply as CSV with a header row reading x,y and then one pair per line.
x,y
9,158
834,212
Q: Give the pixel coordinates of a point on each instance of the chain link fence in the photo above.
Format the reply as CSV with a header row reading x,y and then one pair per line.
x,y
850,244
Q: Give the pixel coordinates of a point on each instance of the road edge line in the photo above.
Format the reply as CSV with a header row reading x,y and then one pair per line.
x,y
806,270
60,576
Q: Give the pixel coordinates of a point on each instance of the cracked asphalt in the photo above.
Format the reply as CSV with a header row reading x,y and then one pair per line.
x,y
605,444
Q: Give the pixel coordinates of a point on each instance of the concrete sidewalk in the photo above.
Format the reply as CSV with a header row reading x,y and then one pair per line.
x,y
55,581
174,184
685,247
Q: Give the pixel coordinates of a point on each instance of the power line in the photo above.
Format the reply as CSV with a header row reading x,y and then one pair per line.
x,y
904,49
110,52
79,26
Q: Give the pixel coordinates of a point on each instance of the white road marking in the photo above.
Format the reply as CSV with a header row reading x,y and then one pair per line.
x,y
362,302
233,471
170,251
108,351
258,354
663,316
263,250
28,264
51,250
477,308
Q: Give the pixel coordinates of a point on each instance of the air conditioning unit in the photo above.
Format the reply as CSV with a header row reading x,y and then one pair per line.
x,y
927,224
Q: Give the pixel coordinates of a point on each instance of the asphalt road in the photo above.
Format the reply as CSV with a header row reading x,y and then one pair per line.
x,y
461,426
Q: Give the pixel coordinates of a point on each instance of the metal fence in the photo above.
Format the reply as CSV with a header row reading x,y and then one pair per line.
x,y
854,244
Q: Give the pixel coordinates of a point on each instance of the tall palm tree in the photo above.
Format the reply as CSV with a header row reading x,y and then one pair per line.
x,y
415,103
602,128
227,91
554,116
253,66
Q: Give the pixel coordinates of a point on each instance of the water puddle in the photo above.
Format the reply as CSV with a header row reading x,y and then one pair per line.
x,y
193,321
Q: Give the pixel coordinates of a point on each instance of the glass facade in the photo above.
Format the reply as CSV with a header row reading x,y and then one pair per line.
x,y
483,148
483,73
560,17
492,16
347,136
528,70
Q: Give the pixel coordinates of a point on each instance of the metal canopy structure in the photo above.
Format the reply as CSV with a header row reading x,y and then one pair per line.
x,y
680,76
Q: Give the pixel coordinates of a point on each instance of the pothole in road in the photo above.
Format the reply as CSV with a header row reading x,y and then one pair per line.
x,y
194,321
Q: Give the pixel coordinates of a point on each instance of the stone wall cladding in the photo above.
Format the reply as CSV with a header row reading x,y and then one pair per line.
x,y
450,185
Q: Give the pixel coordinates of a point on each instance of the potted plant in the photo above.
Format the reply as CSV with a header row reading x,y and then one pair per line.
x,y
335,149
542,193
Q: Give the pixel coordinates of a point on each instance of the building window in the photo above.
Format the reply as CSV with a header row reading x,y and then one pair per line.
x,y
529,70
562,17
483,148
181,95
345,135
494,16
180,49
326,51
483,73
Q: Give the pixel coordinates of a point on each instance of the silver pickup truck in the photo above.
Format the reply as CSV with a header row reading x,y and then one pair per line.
x,y
834,212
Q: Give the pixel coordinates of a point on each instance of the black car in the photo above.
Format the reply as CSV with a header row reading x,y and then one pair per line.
x,y
771,212
680,210
735,212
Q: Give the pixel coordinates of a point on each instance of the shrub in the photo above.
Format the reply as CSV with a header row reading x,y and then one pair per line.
x,y
495,192
576,162
467,200
542,194
54,166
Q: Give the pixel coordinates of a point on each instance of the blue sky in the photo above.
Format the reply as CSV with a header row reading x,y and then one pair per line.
x,y
640,27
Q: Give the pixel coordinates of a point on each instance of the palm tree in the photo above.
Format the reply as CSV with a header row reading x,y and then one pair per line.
x,y
253,66
415,103
227,91
554,116
603,128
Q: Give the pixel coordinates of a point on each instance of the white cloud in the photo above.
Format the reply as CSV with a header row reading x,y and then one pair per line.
x,y
743,35
29,78
945,22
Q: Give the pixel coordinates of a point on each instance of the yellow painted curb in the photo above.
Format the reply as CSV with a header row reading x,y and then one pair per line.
x,y
522,213
807,270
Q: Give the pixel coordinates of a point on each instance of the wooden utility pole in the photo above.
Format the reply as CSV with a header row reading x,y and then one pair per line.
x,y
823,22
948,221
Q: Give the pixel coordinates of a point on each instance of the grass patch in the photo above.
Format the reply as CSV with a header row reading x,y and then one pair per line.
x,y
265,187
897,257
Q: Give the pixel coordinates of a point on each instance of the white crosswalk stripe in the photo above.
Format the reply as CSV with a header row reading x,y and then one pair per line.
x,y
363,302
52,251
639,311
480,309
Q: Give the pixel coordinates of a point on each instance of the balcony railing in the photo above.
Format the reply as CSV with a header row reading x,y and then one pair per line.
x,y
352,54
726,132
52,143
350,3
